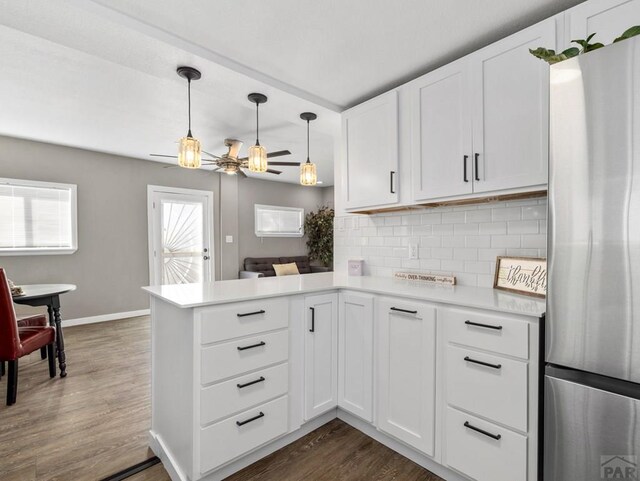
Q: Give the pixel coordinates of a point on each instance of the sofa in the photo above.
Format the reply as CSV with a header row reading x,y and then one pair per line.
x,y
263,266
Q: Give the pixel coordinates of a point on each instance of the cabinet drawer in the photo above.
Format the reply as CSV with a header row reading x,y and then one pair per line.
x,y
492,332
243,319
491,386
242,355
480,456
240,393
227,439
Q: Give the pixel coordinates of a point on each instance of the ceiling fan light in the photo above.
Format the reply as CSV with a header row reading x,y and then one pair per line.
x,y
257,158
230,170
308,174
189,153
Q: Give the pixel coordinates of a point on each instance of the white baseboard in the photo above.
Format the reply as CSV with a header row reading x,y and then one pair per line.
x,y
104,317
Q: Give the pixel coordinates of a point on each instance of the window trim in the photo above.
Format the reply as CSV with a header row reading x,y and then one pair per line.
x,y
257,207
73,190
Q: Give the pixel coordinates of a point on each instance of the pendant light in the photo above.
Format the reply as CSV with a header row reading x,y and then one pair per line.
x,y
189,155
308,173
257,154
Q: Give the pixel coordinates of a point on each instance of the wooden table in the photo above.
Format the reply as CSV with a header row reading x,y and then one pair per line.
x,y
49,295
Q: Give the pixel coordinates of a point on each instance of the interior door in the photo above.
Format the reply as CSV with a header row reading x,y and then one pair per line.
x,y
180,235
511,111
441,140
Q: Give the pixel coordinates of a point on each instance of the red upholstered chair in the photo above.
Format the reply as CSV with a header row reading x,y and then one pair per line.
x,y
16,342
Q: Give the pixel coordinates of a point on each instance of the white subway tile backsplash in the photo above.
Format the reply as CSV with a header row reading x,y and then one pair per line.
x,y
463,241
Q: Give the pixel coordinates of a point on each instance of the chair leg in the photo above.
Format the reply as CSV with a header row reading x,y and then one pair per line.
x,y
43,353
52,360
12,382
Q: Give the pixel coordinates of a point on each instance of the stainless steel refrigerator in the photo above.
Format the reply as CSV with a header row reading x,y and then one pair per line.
x,y
592,371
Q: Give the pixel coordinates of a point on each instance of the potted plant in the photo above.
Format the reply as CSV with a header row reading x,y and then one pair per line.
x,y
318,227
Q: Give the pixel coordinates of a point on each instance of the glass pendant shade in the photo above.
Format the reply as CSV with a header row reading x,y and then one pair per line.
x,y
308,174
189,155
257,158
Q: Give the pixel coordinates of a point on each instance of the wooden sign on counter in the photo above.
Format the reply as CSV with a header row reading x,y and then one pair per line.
x,y
523,275
430,278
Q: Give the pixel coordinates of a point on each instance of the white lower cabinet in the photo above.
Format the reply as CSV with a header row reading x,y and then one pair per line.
x,y
355,354
407,372
482,450
320,354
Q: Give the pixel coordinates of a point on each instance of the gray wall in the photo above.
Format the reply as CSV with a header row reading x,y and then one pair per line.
x,y
112,259
255,191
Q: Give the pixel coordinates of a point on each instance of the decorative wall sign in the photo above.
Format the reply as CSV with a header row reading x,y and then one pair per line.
x,y
524,275
430,278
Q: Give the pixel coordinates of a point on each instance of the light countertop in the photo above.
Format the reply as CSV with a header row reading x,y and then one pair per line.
x,y
222,292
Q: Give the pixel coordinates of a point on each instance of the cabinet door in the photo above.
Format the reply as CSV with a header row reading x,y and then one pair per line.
x,y
321,356
606,18
406,372
511,111
441,136
370,151
355,355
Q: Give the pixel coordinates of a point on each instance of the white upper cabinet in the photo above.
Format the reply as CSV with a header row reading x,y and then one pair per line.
x,y
321,354
606,18
441,140
370,153
510,89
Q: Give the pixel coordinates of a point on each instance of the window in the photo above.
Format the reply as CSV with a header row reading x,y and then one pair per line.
x,y
274,221
37,217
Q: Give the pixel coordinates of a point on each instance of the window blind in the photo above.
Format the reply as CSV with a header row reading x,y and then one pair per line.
x,y
273,221
36,216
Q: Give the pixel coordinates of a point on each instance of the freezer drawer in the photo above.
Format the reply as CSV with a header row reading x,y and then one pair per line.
x,y
589,434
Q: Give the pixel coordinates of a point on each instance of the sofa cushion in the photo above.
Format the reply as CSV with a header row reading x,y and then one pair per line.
x,y
286,269
301,261
261,264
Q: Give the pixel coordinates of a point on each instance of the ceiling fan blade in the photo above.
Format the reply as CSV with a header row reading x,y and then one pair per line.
x,y
212,155
285,163
162,155
279,153
277,172
242,174
170,166
216,169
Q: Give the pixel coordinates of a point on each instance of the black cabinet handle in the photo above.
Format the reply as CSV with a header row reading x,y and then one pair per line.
x,y
476,169
244,348
403,310
251,383
497,437
464,162
255,313
313,319
487,326
482,363
242,423
391,174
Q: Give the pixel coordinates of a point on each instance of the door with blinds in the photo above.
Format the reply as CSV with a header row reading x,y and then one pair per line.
x,y
180,235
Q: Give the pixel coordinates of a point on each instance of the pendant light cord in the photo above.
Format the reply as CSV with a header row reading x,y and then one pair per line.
x,y
189,97
308,142
257,124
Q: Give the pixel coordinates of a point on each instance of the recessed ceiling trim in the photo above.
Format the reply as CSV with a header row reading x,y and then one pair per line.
x,y
168,37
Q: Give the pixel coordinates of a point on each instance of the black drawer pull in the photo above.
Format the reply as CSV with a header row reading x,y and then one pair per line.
x,y
482,363
403,310
244,348
476,169
497,437
242,423
251,383
391,174
261,311
478,324
313,319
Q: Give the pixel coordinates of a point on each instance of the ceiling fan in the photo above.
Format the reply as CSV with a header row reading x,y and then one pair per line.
x,y
189,154
231,164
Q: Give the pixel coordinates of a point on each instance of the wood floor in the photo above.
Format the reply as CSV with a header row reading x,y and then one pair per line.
x,y
94,422
90,424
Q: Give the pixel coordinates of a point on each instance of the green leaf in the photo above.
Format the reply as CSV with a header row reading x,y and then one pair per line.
x,y
582,43
593,46
630,32
571,52
590,37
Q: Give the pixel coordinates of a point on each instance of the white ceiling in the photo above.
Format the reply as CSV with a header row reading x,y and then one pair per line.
x,y
100,74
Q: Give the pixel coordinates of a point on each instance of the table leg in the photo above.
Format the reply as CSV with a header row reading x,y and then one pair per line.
x,y
55,319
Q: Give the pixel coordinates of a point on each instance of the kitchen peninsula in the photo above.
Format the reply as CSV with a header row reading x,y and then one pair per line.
x,y
241,368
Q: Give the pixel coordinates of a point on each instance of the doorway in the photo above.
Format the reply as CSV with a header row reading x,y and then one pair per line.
x,y
180,235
